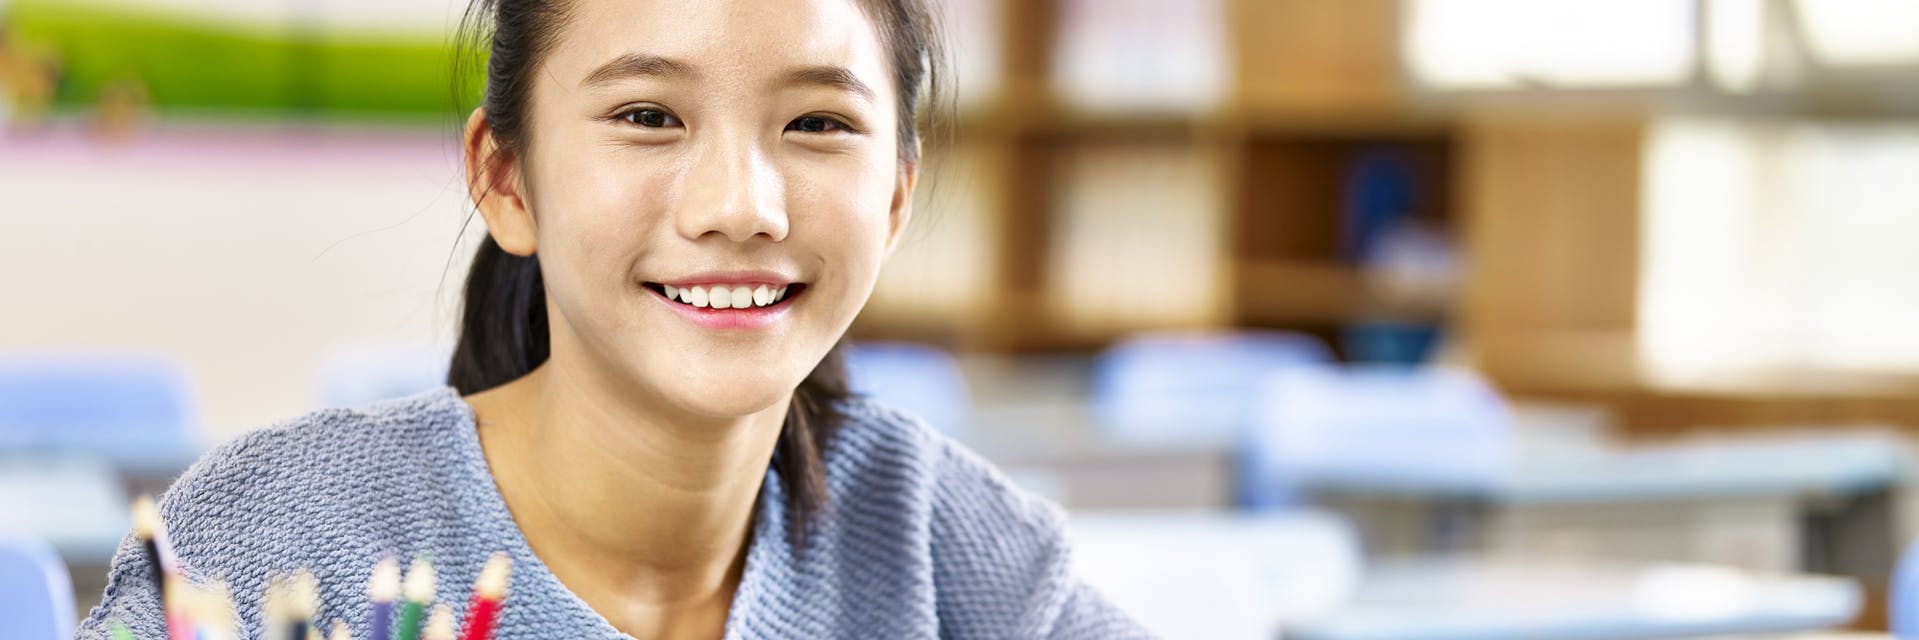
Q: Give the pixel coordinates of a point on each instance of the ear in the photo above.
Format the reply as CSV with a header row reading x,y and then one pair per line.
x,y
493,182
901,211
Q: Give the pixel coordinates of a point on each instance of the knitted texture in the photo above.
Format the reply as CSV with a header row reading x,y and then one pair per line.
x,y
922,539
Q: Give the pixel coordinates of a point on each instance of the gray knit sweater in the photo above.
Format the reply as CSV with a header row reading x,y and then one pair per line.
x,y
923,540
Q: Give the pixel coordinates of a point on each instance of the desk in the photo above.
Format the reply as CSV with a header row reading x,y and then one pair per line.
x,y
1226,576
76,504
1053,448
1809,502
1797,465
1217,575
1493,599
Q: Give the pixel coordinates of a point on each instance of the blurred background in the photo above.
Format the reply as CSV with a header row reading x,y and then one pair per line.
x,y
1339,319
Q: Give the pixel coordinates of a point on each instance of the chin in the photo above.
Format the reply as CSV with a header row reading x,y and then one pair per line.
x,y
721,394
735,406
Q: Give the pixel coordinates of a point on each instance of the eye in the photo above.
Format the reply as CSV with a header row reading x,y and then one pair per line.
x,y
650,118
816,124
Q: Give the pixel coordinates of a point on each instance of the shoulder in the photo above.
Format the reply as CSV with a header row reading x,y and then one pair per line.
x,y
313,491
998,554
884,450
964,497
315,461
275,492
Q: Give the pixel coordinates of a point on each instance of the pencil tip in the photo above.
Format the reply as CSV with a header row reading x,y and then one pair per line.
x,y
439,626
494,577
385,585
303,589
420,581
146,518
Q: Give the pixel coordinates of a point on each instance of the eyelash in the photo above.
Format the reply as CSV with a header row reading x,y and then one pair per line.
x,y
631,116
828,121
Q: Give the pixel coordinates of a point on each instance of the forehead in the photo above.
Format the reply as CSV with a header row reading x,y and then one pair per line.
x,y
739,40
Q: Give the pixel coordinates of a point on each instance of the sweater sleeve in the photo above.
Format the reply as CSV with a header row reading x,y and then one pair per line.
x,y
1002,562
194,509
131,598
1087,614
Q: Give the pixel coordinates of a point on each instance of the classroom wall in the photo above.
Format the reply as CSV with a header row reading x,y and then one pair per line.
x,y
249,256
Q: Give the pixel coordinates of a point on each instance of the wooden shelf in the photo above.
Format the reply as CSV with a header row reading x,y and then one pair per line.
x,y
1314,84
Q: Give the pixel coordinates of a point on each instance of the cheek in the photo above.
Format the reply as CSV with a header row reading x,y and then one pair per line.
x,y
847,209
594,214
848,229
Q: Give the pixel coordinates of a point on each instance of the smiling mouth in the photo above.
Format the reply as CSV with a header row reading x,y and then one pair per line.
x,y
725,296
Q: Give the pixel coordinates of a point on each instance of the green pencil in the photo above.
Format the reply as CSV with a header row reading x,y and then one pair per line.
x,y
120,631
418,595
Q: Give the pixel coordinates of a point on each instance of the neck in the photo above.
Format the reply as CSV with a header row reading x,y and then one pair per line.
x,y
619,494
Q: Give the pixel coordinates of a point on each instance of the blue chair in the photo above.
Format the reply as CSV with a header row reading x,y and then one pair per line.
x,y
1191,389
36,595
1902,596
1374,428
365,374
919,379
133,411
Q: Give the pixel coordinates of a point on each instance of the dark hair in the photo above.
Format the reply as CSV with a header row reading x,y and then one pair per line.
x,y
503,328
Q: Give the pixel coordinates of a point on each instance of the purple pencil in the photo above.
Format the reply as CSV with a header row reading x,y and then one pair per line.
x,y
383,591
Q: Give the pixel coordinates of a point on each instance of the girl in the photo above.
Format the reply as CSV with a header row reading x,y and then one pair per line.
x,y
687,204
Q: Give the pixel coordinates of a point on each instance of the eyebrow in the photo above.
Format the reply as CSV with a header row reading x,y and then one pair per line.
x,y
831,76
636,65
641,65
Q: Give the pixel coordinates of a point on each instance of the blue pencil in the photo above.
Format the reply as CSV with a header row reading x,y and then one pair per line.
x,y
383,590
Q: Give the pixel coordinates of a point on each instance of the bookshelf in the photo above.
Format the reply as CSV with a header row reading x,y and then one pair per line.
x,y
1540,192
1248,189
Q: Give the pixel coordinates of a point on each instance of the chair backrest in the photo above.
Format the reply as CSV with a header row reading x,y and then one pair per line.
x,y
1374,426
129,409
1192,389
36,595
364,374
919,379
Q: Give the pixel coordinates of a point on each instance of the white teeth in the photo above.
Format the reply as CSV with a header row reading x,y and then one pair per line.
x,y
721,297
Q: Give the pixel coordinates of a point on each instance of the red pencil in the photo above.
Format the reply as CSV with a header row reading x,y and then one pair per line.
x,y
152,534
489,592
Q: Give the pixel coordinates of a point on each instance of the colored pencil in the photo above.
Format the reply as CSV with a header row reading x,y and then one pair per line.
x,y
418,592
210,610
120,631
176,598
440,625
339,632
303,600
383,590
489,591
273,609
152,534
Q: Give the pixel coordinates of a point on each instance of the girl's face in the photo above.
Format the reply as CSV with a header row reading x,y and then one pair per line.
x,y
719,152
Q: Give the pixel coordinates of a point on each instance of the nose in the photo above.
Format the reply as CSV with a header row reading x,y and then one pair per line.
x,y
733,190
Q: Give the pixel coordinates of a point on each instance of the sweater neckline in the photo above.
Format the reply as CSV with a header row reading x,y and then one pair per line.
x,y
756,588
